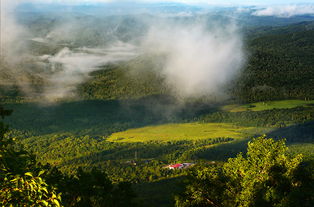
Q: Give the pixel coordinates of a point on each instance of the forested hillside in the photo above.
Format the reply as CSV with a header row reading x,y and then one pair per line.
x,y
114,141
279,66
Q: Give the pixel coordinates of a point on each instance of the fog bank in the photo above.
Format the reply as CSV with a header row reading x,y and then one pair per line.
x,y
200,56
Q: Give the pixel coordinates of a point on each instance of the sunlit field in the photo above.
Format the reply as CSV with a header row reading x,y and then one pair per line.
x,y
269,105
175,132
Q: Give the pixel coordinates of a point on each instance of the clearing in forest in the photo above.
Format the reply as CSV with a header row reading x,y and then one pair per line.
x,y
269,105
185,131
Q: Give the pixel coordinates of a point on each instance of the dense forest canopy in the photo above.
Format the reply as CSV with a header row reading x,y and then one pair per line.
x,y
172,105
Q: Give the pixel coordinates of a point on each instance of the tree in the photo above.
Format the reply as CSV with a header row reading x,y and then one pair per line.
x,y
25,182
94,188
18,184
266,176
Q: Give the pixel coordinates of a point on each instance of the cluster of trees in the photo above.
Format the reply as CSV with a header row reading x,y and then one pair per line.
x,y
280,65
25,182
20,186
266,176
123,81
268,118
70,152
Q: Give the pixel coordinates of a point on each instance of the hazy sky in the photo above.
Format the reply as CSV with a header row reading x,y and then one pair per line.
x,y
211,2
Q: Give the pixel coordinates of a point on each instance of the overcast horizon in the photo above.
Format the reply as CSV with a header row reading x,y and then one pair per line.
x,y
190,2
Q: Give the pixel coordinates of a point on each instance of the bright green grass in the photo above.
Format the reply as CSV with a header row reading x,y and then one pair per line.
x,y
176,132
268,105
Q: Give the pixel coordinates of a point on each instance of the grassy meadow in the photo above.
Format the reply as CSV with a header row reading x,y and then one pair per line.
x,y
176,132
268,105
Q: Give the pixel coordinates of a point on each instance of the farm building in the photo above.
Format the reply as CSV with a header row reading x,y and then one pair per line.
x,y
179,166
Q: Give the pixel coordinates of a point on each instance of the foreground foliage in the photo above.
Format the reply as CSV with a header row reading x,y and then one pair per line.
x,y
19,187
266,176
24,182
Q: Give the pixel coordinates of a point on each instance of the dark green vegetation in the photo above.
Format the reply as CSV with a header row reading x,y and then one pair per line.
x,y
70,143
73,135
18,185
132,80
25,182
280,65
266,176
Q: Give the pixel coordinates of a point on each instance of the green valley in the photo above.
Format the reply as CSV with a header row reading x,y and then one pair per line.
x,y
172,107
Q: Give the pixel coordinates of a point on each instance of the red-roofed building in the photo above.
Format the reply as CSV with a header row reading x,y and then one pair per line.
x,y
175,166
179,166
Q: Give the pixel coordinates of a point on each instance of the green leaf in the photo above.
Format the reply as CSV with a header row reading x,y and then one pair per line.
x,y
41,172
45,189
28,174
56,202
45,203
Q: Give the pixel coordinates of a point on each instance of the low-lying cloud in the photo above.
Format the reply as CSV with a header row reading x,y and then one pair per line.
x,y
69,68
11,32
198,59
285,11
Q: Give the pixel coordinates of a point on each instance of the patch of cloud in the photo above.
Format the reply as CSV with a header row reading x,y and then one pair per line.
x,y
69,68
241,10
11,33
199,61
285,11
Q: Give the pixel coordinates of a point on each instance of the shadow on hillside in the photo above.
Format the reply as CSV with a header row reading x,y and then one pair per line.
x,y
159,193
99,117
127,151
301,133
222,152
295,134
